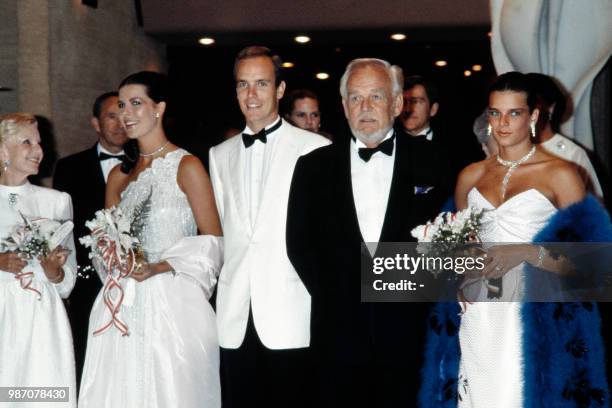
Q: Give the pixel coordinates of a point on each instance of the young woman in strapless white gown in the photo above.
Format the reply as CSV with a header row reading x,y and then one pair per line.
x,y
522,188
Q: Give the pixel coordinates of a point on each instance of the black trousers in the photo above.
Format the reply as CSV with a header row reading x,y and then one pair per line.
x,y
255,376
373,385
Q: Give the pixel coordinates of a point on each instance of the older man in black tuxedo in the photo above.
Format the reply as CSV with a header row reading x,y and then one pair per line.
x,y
83,175
373,186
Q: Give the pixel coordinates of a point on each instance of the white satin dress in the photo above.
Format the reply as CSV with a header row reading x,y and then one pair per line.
x,y
490,333
35,339
171,356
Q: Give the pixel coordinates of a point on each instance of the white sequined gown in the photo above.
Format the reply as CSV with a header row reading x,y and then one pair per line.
x,y
171,356
490,334
35,339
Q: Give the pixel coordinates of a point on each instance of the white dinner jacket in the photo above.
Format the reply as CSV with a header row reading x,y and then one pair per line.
x,y
256,268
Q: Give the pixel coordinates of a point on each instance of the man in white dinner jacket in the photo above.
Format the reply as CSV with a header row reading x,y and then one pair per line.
x,y
263,308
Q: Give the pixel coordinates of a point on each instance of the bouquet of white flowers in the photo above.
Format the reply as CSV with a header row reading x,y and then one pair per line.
x,y
451,230
114,248
33,239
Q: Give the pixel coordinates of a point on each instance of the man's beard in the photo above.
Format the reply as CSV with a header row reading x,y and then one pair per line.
x,y
372,138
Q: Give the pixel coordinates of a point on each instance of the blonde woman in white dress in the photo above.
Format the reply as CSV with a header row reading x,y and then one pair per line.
x,y
35,338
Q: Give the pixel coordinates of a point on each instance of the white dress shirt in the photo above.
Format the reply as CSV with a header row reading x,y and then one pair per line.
x,y
371,182
108,164
564,148
427,132
258,158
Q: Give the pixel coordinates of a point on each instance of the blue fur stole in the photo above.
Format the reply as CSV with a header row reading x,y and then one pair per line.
x,y
564,362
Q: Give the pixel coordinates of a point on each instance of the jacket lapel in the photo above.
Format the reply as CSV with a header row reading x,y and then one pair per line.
x,y
399,193
283,158
346,182
236,164
96,169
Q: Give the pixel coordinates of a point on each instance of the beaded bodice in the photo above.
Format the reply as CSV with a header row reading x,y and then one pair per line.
x,y
158,207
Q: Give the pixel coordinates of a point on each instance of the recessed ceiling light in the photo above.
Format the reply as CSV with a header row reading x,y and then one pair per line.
x,y
206,41
398,36
288,64
476,68
441,63
302,39
322,75
467,73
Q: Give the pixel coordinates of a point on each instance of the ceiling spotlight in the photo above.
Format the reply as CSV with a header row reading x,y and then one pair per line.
x,y
467,73
322,75
440,63
288,64
206,41
302,39
476,68
398,36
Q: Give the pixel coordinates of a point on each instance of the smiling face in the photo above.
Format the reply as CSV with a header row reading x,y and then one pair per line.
x,y
370,106
108,126
23,151
509,117
256,91
306,115
139,115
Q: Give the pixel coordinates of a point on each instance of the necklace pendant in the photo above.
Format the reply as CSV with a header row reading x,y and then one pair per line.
x,y
511,165
12,199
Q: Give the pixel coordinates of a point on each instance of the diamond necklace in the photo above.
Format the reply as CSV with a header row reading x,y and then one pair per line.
x,y
512,165
161,149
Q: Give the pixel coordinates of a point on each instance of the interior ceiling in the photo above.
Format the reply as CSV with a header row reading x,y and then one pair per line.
x,y
177,20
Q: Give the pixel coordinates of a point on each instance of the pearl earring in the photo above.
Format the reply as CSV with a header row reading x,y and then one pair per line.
x,y
533,129
156,115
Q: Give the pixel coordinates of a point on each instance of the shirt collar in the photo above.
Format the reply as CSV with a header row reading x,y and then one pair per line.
x,y
358,143
101,149
248,130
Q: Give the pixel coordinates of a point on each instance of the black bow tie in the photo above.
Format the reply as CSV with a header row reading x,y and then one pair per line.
x,y
385,147
249,139
105,156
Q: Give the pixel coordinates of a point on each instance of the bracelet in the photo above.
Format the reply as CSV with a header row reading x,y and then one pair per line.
x,y
541,255
58,278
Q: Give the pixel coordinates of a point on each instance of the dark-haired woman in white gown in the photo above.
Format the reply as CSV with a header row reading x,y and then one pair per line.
x,y
170,356
508,353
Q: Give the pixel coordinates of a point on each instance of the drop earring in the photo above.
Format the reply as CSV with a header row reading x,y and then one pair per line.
x,y
5,165
533,129
489,131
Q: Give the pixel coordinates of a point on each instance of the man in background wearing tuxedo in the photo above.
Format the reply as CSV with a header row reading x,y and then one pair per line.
x,y
374,186
421,108
83,175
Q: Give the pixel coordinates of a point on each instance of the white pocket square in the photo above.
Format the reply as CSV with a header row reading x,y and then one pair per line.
x,y
422,189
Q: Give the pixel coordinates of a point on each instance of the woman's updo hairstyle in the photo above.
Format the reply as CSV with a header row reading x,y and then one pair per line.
x,y
11,123
515,82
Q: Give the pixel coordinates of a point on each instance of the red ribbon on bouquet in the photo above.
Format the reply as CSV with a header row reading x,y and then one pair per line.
x,y
112,262
25,280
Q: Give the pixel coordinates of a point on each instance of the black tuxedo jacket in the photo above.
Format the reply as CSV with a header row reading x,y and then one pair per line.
x,y
80,175
324,245
457,150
